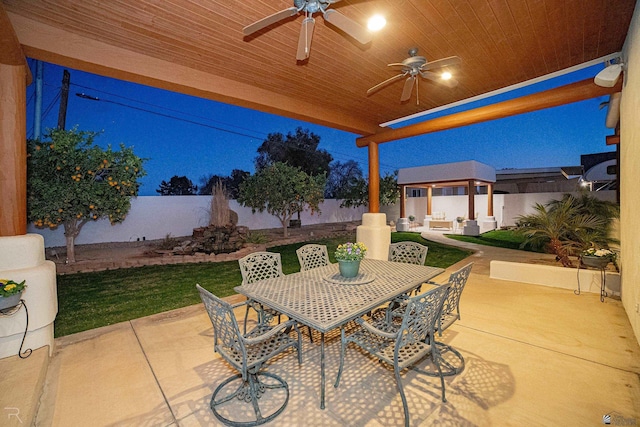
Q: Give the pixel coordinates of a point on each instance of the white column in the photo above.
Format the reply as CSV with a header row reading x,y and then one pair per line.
x,y
375,234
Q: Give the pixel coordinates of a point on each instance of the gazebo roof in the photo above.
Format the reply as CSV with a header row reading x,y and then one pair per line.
x,y
449,174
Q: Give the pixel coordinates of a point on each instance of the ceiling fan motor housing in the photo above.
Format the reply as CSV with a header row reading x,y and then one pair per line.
x,y
311,6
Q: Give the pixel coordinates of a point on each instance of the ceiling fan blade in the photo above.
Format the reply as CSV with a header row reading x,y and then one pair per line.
x,y
437,78
384,83
408,87
304,42
271,19
438,63
348,25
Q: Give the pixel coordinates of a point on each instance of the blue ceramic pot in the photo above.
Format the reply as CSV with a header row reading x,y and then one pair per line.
x,y
349,268
10,301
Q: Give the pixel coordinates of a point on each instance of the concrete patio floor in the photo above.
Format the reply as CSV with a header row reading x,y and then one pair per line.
x,y
534,356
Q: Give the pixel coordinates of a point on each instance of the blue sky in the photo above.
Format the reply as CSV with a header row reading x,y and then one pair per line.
x,y
185,135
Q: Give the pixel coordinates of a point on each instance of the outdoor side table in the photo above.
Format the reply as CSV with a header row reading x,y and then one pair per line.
x,y
12,311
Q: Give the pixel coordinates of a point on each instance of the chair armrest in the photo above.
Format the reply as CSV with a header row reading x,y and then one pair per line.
x,y
272,332
240,304
372,329
431,282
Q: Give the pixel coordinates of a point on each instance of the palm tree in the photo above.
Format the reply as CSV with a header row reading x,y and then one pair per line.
x,y
568,226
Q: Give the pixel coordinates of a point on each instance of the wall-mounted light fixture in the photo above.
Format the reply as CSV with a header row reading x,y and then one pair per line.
x,y
609,76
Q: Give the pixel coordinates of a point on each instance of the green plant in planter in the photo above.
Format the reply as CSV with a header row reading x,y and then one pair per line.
x,y
351,251
568,226
412,218
9,287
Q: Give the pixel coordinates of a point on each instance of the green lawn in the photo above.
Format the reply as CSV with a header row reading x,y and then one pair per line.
x,y
500,238
92,300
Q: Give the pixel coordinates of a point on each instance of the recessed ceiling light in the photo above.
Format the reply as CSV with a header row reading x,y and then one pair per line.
x,y
376,23
446,75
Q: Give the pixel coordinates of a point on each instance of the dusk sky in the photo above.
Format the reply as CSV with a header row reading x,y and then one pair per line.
x,y
185,135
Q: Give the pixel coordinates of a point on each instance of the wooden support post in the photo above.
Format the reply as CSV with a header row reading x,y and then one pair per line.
x,y
13,150
403,200
472,196
374,179
429,197
490,200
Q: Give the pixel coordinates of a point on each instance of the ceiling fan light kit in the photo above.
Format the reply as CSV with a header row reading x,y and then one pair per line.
x,y
309,8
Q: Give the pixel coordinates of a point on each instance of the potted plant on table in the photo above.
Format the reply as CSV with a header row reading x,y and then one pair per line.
x,y
349,256
10,293
597,257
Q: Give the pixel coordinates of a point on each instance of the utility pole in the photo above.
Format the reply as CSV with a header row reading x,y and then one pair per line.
x,y
37,123
64,98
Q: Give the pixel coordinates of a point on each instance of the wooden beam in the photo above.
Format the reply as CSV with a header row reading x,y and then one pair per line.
x,y
574,92
50,44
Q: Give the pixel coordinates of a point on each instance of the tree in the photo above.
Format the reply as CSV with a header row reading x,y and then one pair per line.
x,y
231,183
299,149
358,194
568,226
71,182
342,178
177,186
282,191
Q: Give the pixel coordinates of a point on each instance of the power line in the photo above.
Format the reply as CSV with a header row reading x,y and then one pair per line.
x,y
336,153
93,98
163,108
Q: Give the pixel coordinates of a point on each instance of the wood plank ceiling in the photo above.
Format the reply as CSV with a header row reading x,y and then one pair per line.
x,y
500,43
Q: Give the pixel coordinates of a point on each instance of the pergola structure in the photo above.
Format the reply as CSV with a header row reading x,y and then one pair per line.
x,y
469,174
197,48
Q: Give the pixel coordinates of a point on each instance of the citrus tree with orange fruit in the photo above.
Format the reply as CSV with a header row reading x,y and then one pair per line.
x,y
71,181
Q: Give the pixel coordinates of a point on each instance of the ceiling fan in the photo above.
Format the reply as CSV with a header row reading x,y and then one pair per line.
x,y
415,66
309,8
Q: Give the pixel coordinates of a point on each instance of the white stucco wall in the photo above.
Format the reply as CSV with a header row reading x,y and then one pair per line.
x,y
154,217
630,174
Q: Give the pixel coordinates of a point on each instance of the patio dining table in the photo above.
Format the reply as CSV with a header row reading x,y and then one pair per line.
x,y
323,300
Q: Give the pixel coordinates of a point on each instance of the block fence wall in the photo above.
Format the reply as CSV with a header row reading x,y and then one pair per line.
x,y
155,217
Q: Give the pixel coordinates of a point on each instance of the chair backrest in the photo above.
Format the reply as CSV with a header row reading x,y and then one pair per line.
x,y
225,326
420,317
260,266
312,256
408,252
457,281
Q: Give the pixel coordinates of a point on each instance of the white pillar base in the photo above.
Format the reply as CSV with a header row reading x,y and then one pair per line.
x,y
22,258
471,228
401,225
375,234
489,224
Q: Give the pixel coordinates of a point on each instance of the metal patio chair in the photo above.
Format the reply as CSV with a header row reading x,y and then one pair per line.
x,y
451,307
312,256
247,353
408,252
405,345
260,266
